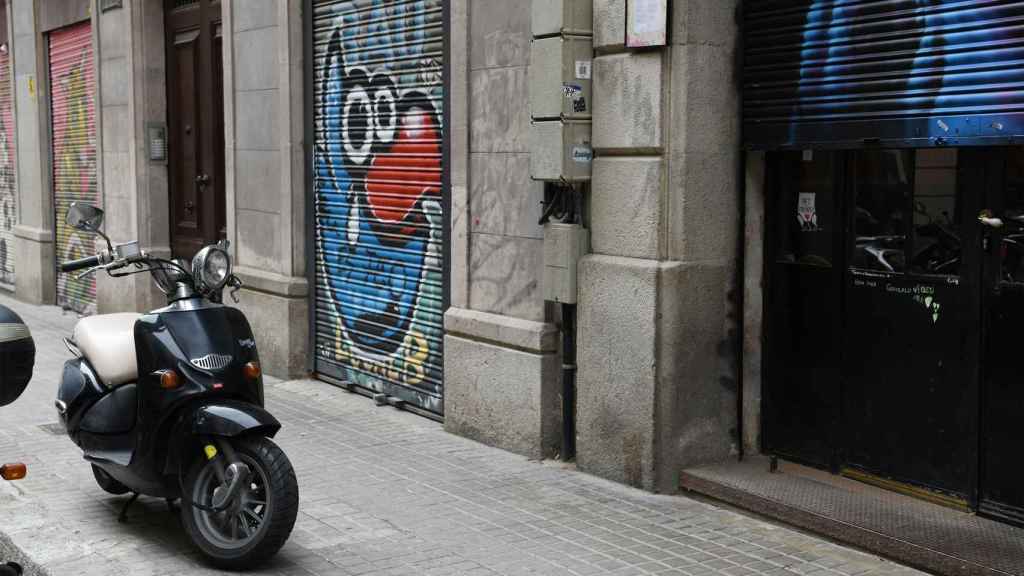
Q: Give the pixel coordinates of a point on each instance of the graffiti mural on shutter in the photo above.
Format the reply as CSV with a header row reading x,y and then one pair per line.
x,y
73,122
921,72
8,194
378,94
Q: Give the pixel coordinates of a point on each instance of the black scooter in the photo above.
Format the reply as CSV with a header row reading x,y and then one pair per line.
x,y
170,403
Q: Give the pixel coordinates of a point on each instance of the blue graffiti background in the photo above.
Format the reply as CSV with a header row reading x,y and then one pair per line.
x,y
915,69
377,182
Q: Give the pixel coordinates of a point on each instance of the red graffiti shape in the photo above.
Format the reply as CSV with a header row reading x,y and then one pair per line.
x,y
411,168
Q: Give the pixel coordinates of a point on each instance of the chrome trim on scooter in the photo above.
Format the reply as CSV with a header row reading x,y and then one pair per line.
x,y
211,361
188,305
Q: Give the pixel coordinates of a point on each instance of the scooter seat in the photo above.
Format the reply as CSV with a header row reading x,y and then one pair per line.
x,y
108,342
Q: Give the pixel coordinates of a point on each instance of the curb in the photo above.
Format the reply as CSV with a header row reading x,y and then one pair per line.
x,y
9,552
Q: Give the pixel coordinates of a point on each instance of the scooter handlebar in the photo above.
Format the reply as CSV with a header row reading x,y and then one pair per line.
x,y
81,263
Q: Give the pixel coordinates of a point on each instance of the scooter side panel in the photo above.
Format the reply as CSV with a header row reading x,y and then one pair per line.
x,y
112,414
79,389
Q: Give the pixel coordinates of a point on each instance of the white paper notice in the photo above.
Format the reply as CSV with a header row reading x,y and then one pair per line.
x,y
583,69
645,16
648,20
806,212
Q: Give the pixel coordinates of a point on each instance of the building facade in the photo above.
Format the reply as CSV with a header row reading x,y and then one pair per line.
x,y
779,200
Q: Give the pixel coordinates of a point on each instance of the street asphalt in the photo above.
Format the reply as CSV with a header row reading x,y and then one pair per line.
x,y
383,492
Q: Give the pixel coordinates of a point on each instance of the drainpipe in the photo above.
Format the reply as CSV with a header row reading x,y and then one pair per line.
x,y
565,243
568,382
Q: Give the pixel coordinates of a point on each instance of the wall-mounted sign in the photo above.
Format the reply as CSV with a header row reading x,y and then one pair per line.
x,y
646,23
156,141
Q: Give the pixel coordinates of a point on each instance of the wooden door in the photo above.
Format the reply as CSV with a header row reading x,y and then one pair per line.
x,y
196,124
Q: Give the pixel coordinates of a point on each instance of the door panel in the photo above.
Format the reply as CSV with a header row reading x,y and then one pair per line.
x,y
185,135
1002,468
196,118
909,321
905,398
802,361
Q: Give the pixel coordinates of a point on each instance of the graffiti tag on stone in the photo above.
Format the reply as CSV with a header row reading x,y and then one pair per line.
x,y
582,154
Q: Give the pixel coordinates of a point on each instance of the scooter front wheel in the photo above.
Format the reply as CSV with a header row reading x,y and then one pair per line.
x,y
259,521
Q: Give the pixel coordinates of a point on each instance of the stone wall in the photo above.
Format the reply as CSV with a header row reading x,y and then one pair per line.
x,y
36,280
131,94
658,333
265,175
501,362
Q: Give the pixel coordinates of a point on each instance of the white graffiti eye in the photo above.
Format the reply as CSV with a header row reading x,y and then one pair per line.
x,y
357,125
385,118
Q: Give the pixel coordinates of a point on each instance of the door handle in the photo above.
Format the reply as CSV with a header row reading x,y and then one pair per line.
x,y
203,179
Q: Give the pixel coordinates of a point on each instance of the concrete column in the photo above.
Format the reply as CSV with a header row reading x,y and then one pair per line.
x,y
501,372
132,94
265,175
36,280
658,329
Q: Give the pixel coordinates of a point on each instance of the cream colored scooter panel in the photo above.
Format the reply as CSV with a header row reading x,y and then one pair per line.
x,y
108,342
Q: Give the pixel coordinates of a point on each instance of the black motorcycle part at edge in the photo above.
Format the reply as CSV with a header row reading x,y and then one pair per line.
x,y
17,355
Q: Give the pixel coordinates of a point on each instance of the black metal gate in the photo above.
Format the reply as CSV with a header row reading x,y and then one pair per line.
x,y
379,219
891,312
893,319
1002,402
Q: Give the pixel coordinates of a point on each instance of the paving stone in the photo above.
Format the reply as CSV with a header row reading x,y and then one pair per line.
x,y
386,493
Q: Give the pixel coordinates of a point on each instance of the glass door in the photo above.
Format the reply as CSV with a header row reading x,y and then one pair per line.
x,y
803,303
910,319
1002,465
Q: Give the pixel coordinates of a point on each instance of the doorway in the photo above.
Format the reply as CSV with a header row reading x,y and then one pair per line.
x,y
891,316
195,101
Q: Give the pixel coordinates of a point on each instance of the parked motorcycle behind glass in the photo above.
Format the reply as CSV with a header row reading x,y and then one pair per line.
x,y
170,403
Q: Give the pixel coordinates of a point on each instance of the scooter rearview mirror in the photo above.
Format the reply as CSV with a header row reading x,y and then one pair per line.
x,y
84,217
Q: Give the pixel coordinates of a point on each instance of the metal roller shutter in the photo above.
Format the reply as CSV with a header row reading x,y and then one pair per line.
x,y
378,107
904,72
8,194
73,125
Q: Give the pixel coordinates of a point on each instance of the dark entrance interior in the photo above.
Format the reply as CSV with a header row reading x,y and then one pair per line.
x,y
195,100
891,318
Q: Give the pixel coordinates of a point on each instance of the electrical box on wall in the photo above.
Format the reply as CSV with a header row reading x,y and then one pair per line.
x,y
562,17
560,150
564,246
560,71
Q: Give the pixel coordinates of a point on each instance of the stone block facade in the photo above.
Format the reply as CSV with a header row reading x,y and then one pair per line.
x,y
657,340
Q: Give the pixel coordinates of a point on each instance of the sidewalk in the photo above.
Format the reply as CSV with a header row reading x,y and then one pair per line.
x,y
384,492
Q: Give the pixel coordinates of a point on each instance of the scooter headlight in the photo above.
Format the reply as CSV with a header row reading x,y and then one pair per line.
x,y
211,268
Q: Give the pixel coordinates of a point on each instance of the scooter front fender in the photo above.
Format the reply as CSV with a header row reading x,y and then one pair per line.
x,y
229,418
214,417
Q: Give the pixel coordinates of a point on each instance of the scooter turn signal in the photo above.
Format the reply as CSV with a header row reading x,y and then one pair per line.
x,y
251,371
169,379
14,471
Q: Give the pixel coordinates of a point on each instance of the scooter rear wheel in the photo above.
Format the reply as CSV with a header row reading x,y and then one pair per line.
x,y
254,528
107,482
